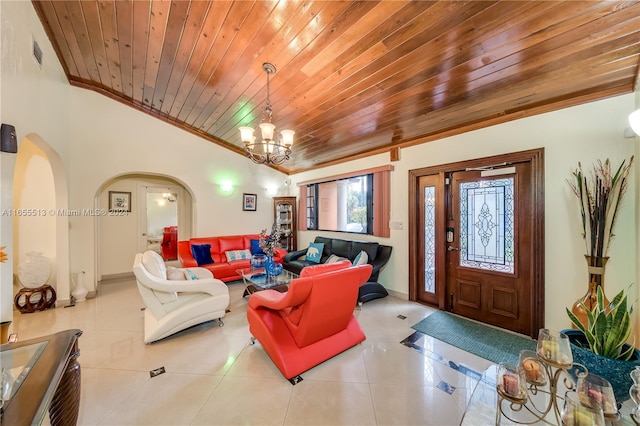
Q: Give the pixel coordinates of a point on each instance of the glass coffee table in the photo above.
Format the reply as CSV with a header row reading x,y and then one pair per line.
x,y
256,279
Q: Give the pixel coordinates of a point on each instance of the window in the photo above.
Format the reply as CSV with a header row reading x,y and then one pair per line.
x,y
356,202
344,205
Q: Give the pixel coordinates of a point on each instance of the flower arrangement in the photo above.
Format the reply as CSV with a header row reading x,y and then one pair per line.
x,y
269,242
600,199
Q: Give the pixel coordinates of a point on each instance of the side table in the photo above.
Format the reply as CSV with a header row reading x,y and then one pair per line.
x,y
30,300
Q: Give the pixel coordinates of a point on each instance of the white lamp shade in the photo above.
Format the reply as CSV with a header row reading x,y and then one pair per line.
x,y
634,121
287,137
246,134
267,131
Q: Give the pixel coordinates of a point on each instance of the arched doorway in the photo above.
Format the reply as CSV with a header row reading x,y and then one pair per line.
x,y
40,188
119,234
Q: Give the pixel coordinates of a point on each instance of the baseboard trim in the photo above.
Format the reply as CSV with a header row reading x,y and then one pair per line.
x,y
398,294
117,276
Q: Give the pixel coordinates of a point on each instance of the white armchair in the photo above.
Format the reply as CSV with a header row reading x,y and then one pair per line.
x,y
174,305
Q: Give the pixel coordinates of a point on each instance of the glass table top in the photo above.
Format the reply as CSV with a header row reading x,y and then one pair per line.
x,y
16,365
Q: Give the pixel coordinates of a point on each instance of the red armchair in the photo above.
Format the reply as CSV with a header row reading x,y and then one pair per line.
x,y
169,245
313,321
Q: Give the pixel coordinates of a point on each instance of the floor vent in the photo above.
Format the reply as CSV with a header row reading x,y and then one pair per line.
x,y
37,53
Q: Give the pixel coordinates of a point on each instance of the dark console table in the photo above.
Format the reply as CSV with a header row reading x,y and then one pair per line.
x,y
45,375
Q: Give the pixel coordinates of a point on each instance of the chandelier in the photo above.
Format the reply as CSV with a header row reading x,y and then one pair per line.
x,y
269,150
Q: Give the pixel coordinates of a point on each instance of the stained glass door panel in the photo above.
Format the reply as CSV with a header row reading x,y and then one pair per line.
x,y
486,225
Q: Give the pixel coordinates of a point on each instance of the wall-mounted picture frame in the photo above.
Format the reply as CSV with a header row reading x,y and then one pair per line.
x,y
119,201
249,202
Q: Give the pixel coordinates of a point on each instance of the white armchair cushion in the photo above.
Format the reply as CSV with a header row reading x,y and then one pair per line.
x,y
175,274
154,264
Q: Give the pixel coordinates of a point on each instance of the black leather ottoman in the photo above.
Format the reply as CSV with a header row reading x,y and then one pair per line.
x,y
371,290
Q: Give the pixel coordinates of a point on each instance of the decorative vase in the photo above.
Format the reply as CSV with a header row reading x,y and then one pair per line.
x,y
80,292
272,268
34,269
596,268
616,371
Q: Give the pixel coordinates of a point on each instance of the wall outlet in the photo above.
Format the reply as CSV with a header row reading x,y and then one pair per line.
x,y
395,225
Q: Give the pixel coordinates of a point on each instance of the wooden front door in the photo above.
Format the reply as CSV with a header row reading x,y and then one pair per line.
x,y
489,249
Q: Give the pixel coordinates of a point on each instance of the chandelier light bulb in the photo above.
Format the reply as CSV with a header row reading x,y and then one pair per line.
x,y
267,131
287,137
246,134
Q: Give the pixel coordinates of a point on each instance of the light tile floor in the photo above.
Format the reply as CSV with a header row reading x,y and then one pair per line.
x,y
215,376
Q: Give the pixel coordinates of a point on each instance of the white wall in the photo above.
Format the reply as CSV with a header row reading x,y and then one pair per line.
x,y
584,133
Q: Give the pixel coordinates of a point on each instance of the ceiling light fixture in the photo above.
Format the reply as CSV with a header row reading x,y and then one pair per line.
x,y
270,150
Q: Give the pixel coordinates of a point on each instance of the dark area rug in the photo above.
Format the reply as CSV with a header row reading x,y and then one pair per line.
x,y
481,340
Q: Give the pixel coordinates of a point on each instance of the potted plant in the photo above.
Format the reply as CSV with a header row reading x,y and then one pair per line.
x,y
602,346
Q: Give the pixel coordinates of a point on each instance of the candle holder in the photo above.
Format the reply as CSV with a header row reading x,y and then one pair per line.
x,y
596,392
534,371
554,347
634,393
574,413
511,383
548,379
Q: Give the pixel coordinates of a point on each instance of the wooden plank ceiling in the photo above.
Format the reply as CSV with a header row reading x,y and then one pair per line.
x,y
354,78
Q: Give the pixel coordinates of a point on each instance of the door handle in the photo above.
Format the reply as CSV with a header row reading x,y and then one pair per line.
x,y
451,248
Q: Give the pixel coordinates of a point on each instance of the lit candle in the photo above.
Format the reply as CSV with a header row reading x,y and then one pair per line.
x,y
531,369
596,396
510,383
582,417
550,350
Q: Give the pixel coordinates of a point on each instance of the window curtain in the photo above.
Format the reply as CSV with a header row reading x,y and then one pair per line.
x,y
381,203
302,208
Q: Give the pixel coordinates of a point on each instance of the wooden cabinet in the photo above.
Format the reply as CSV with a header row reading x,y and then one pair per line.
x,y
285,217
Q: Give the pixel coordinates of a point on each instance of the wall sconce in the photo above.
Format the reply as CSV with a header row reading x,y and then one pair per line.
x,y
634,121
272,190
226,186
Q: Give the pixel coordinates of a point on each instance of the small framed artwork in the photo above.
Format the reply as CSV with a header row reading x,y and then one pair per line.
x,y
119,201
249,202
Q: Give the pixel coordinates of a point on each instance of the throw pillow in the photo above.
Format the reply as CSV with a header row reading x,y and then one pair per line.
x,y
334,258
238,254
361,259
255,247
314,252
188,274
202,253
174,274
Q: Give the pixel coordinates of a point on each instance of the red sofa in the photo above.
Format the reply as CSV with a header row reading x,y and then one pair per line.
x,y
313,321
221,268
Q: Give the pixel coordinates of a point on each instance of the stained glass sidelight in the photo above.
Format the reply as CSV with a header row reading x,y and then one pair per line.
x,y
486,225
429,239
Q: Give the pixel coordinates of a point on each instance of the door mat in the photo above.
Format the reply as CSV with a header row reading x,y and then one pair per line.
x,y
481,340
